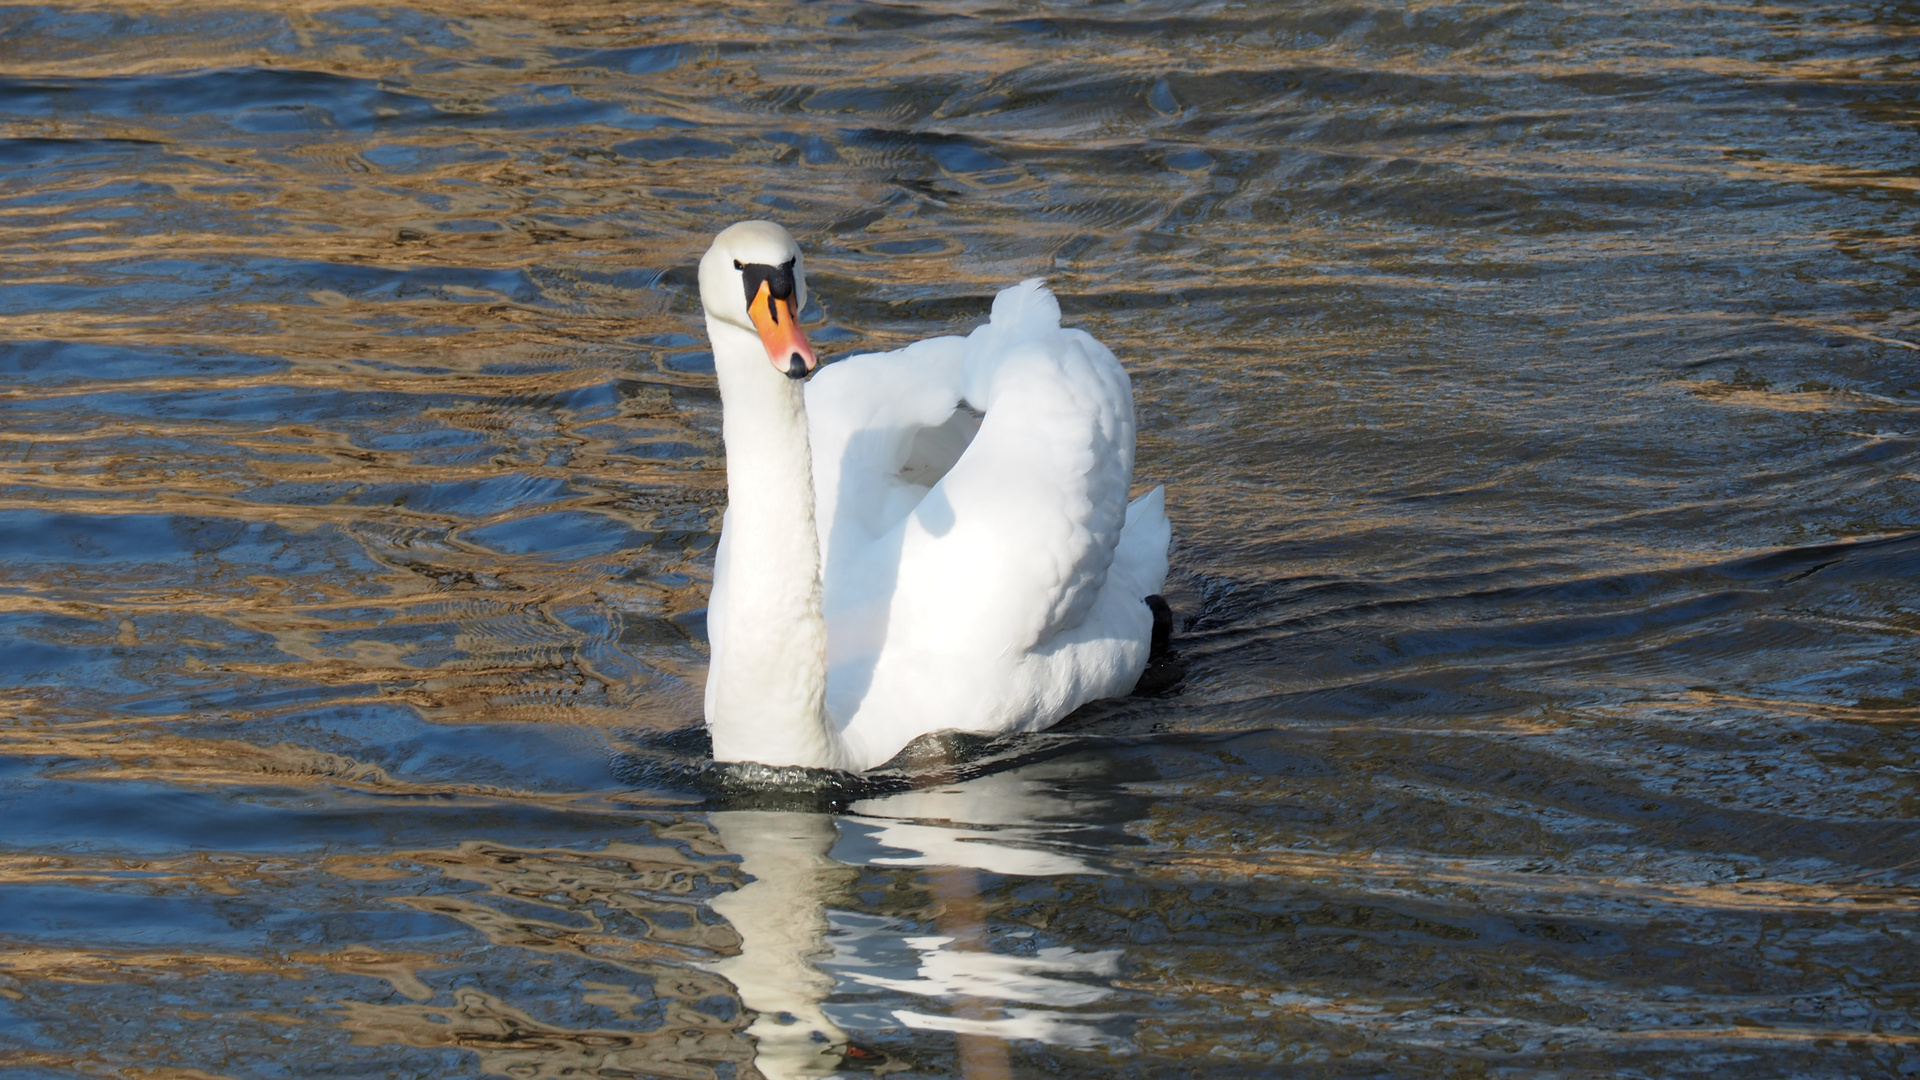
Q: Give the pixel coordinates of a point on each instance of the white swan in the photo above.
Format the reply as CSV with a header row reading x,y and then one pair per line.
x,y
889,566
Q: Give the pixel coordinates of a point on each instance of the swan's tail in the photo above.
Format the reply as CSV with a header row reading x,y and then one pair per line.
x,y
1140,559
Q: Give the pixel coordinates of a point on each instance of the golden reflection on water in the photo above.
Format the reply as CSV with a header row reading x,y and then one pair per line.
x,y
507,1041
624,906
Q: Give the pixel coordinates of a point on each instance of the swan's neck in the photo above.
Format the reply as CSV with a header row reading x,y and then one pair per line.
x,y
768,704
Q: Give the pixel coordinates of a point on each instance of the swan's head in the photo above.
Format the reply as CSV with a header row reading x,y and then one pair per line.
x,y
753,277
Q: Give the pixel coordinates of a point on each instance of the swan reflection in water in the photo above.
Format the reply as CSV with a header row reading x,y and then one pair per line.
x,y
673,936
796,946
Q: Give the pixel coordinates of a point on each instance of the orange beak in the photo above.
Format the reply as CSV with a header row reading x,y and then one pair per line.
x,y
780,332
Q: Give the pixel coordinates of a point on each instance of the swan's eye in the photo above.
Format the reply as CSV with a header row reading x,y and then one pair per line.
x,y
737,266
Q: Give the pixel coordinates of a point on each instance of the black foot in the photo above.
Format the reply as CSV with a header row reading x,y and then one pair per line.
x,y
1164,669
1162,640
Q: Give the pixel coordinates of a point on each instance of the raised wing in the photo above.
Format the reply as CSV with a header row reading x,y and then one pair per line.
x,y
882,431
946,606
1014,541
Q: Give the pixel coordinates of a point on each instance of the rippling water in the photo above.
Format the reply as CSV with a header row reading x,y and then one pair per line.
x,y
1537,392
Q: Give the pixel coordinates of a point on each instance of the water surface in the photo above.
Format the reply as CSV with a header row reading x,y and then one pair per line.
x,y
1537,391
